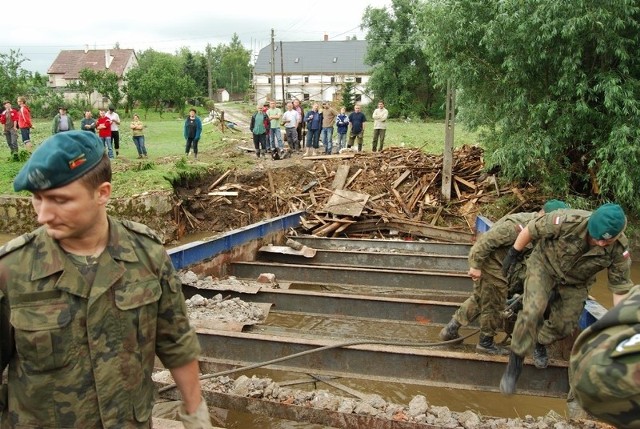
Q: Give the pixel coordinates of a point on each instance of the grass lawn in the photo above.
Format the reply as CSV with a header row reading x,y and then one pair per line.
x,y
165,146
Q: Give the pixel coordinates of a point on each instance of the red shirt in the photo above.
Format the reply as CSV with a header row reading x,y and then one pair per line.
x,y
24,117
14,117
106,131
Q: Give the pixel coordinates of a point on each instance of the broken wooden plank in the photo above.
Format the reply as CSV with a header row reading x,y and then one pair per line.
x,y
344,155
219,180
414,228
457,189
465,182
327,229
340,179
403,206
223,193
436,216
400,179
272,187
348,203
356,174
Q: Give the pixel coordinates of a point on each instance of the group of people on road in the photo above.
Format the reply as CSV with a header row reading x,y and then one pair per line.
x,y
316,125
548,260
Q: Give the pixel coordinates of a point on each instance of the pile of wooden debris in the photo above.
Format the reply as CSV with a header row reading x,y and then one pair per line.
x,y
393,192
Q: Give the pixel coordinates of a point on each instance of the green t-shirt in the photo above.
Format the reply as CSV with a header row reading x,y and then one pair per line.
x,y
275,123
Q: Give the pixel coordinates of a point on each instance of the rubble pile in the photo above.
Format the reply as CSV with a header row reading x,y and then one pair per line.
x,y
367,194
226,310
419,410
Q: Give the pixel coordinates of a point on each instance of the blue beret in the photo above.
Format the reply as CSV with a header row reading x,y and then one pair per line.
x,y
552,205
59,160
606,222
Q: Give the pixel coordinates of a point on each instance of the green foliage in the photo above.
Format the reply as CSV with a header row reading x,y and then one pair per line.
x,y
234,73
159,79
13,78
553,85
400,74
145,165
104,82
348,96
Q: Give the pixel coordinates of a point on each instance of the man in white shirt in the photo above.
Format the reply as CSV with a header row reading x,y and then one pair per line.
x,y
115,129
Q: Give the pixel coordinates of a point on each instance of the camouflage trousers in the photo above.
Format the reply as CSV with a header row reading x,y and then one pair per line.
x,y
564,309
487,301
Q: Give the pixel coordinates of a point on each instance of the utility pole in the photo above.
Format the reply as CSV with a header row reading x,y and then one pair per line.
x,y
282,74
449,125
208,51
273,66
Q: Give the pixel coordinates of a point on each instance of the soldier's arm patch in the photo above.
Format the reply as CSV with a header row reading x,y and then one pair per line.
x,y
557,220
627,347
626,254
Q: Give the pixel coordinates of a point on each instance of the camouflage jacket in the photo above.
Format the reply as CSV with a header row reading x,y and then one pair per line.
x,y
492,246
80,355
561,237
604,369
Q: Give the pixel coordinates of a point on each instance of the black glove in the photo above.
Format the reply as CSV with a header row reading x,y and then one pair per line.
x,y
510,260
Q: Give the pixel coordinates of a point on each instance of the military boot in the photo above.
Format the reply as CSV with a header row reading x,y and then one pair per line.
x,y
450,332
511,374
540,358
359,148
488,346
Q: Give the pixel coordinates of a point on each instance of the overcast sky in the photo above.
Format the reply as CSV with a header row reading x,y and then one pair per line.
x,y
41,31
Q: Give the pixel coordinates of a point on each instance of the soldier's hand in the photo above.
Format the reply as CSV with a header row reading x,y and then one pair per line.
x,y
475,273
510,260
200,419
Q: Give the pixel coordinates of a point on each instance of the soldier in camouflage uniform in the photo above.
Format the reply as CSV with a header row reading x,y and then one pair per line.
x,y
571,247
490,285
604,369
86,303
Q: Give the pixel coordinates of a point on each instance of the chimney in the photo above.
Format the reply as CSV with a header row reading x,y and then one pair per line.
x,y
107,59
326,37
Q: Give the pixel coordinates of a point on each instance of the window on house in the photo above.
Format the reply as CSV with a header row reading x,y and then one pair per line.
x,y
288,79
289,96
305,97
306,79
358,80
333,79
358,97
268,80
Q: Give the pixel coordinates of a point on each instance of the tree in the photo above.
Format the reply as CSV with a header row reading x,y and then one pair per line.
x,y
235,71
104,82
348,96
400,74
14,80
195,66
554,86
159,79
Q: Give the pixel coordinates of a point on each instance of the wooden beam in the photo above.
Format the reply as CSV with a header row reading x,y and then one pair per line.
x,y
465,182
340,179
356,174
400,179
220,179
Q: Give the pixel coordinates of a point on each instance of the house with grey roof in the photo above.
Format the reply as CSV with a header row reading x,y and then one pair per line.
x,y
68,64
311,71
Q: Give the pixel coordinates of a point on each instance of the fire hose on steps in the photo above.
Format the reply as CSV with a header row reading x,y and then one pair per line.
x,y
509,312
